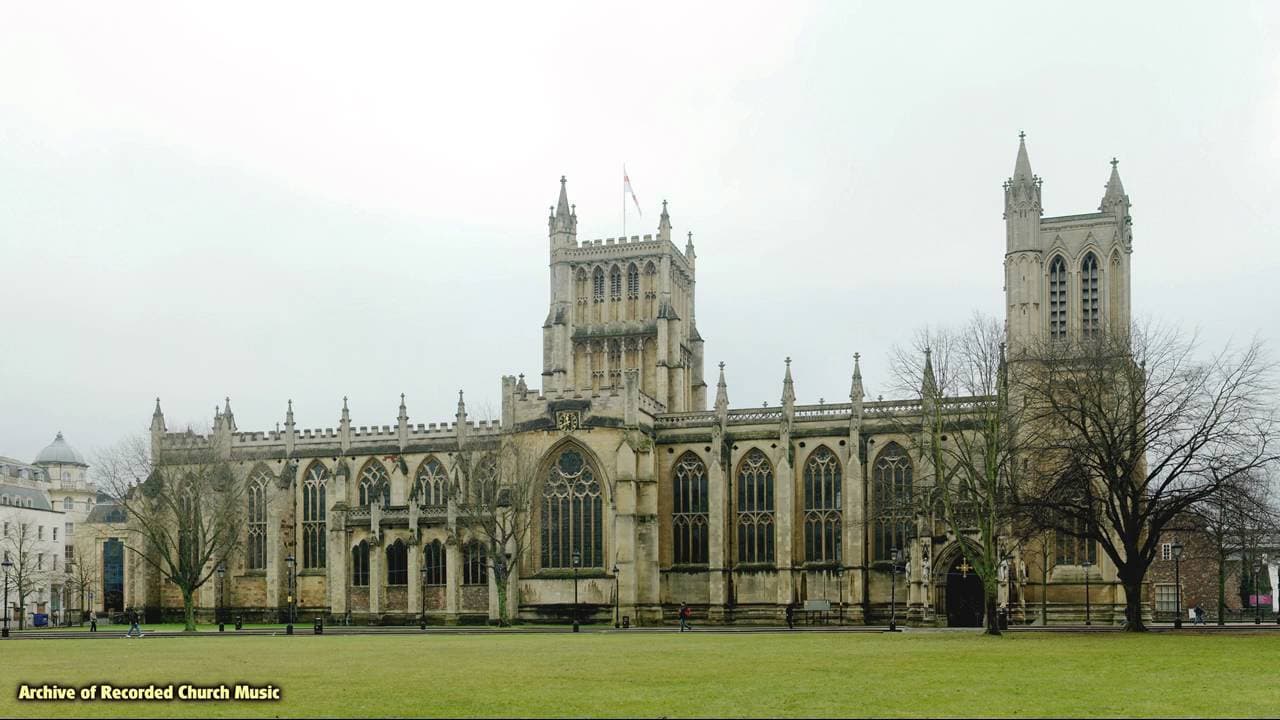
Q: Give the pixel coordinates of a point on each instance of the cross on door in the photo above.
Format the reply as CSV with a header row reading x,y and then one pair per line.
x,y
964,567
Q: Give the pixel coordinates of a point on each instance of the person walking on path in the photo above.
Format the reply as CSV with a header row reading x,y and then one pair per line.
x,y
93,621
1199,611
133,624
791,616
684,617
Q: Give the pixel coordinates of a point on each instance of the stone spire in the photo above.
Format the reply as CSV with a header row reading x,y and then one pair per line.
x,y
929,388
402,424
1114,197
1022,207
563,223
288,416
1022,166
664,224
462,408
403,417
228,417
290,436
689,254
157,418
344,427
856,392
722,393
788,389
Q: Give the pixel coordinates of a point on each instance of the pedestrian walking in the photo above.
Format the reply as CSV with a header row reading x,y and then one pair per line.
x,y
791,616
685,613
1199,611
93,621
133,624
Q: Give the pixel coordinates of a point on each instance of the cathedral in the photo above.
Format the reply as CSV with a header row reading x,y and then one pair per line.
x,y
650,489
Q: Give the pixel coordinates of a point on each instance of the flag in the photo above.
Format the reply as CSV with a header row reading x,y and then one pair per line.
x,y
626,188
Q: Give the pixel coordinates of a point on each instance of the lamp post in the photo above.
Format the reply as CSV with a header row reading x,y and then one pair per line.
x,y
1257,596
80,587
422,593
1088,616
896,557
840,582
288,628
217,607
8,565
577,560
1176,549
66,598
617,609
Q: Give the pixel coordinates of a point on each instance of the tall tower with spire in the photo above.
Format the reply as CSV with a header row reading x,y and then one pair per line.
x,y
1066,277
621,304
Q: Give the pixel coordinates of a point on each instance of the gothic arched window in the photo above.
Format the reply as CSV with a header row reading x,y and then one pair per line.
x,y
633,281
615,283
360,564
432,484
755,508
474,564
597,285
823,491
891,488
397,563
68,504
1115,297
256,541
572,514
1090,309
314,514
1057,298
374,482
433,562
689,512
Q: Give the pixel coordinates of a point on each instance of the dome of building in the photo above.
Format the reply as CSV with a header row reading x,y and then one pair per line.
x,y
59,451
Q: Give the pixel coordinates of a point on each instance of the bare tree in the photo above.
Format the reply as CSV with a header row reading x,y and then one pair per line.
x,y
29,572
1131,430
493,495
83,573
969,436
185,507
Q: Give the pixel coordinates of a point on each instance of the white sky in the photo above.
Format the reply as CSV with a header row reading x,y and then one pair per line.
x,y
306,201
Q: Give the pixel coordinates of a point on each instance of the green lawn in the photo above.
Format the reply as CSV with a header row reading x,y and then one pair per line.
x,y
802,674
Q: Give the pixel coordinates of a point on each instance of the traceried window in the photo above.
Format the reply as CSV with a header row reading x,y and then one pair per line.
x,y
474,564
892,488
615,283
433,561
1090,310
597,285
360,564
689,512
1074,550
432,484
572,513
256,540
314,515
374,482
1057,298
822,514
755,509
397,563
633,281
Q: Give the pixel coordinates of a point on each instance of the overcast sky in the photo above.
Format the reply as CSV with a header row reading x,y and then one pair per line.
x,y
275,201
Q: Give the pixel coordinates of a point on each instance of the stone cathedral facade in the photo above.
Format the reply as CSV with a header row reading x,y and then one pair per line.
x,y
662,490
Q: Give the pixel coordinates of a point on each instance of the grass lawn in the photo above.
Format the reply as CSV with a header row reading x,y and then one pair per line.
x,y
910,674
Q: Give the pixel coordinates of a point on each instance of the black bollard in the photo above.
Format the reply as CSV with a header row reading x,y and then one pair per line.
x,y
319,626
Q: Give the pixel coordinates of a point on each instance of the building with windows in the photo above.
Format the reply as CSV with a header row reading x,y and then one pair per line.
x,y
650,489
31,539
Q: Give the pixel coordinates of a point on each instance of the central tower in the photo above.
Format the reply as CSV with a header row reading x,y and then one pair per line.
x,y
620,305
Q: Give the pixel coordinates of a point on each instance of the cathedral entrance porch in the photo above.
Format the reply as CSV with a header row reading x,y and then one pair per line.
x,y
964,602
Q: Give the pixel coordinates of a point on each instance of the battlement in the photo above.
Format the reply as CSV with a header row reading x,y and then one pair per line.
x,y
634,239
879,410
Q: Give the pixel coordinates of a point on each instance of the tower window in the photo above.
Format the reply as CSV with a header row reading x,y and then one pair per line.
x,y
1089,308
597,285
1057,299
615,284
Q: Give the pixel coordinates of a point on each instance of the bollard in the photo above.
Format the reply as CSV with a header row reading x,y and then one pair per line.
x,y
239,622
319,626
626,621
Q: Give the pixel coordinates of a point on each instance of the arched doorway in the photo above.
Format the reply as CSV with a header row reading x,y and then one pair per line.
x,y
964,594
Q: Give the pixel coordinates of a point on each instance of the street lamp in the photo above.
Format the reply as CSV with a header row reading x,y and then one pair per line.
x,y
577,560
1176,549
8,565
422,616
896,556
66,598
288,628
840,582
217,606
617,609
1088,616
80,586
1257,596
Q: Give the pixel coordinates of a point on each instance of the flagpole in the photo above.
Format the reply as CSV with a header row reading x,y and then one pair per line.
x,y
624,202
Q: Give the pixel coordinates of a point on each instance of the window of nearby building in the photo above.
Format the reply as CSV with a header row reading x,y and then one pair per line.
x,y
822,514
68,504
572,516
689,515
1166,598
755,508
360,564
1166,551
256,547
39,561
314,514
55,533
892,481
474,565
1057,298
433,560
69,554
397,563
39,532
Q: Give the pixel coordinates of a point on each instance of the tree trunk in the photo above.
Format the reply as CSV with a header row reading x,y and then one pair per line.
x,y
1222,587
502,600
993,609
1133,605
188,610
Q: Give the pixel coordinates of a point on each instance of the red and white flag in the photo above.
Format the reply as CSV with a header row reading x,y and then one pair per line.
x,y
626,188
